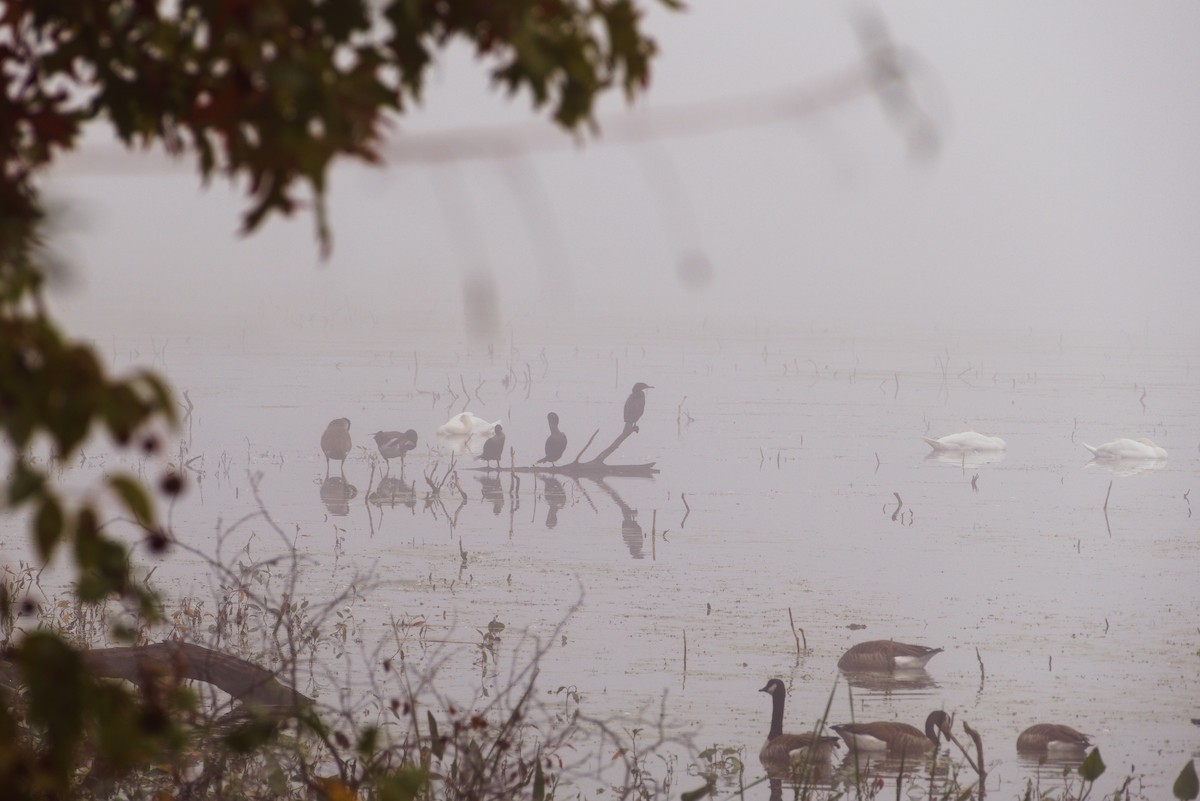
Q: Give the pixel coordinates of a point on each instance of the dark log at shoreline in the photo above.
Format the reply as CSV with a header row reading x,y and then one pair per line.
x,y
137,664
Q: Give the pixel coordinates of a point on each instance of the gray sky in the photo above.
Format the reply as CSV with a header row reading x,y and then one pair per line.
x,y
1066,194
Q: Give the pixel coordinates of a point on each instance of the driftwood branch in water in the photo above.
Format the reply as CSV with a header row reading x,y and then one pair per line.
x,y
595,467
243,680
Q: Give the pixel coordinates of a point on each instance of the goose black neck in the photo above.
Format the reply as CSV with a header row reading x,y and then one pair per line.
x,y
933,728
776,716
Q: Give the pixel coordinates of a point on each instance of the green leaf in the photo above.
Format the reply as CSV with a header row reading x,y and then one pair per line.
x,y
1187,786
437,745
539,782
25,483
134,496
403,785
250,736
48,527
1092,767
698,793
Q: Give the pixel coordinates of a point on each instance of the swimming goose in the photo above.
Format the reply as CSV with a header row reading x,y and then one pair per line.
x,y
394,444
1127,449
494,447
335,442
1052,736
782,749
635,405
556,443
887,655
895,737
464,425
966,441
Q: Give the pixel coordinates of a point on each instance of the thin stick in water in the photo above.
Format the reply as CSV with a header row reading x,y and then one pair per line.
x,y
792,620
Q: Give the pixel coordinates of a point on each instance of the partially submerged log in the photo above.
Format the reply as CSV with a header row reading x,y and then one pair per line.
x,y
596,467
138,664
243,680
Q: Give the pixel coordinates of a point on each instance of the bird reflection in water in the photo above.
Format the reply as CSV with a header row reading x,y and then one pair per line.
x,y
631,529
1123,468
336,494
967,460
493,491
394,492
556,498
896,681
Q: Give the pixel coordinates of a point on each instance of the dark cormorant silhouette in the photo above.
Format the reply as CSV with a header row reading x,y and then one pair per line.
x,y
494,447
335,442
556,443
635,404
393,444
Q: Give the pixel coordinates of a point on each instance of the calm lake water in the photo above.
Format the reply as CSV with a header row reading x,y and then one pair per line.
x,y
791,448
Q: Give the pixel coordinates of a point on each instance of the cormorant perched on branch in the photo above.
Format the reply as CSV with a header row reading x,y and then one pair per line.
x,y
494,447
335,442
394,444
635,404
556,443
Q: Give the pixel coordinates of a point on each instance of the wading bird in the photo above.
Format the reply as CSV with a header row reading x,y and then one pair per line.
x,y
335,442
635,405
494,447
785,749
893,736
1127,449
394,444
886,655
966,441
556,443
1044,737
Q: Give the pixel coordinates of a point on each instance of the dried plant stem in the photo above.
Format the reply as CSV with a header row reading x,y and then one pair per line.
x,y
792,621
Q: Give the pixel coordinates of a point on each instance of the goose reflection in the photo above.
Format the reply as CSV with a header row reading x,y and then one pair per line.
x,y
492,491
392,492
966,459
336,494
556,498
897,681
874,768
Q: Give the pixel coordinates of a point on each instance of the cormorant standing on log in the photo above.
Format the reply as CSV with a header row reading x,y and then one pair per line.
x,y
335,442
556,443
394,444
635,404
494,447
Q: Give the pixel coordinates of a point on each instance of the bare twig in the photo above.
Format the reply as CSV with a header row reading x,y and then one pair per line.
x,y
792,621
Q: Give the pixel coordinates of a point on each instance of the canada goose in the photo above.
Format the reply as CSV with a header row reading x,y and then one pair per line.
x,y
1052,736
556,443
464,425
780,748
335,442
494,447
893,736
886,655
635,405
393,444
1127,449
966,441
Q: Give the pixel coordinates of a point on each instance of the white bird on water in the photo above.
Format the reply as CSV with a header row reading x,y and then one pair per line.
x,y
966,441
466,424
1127,449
